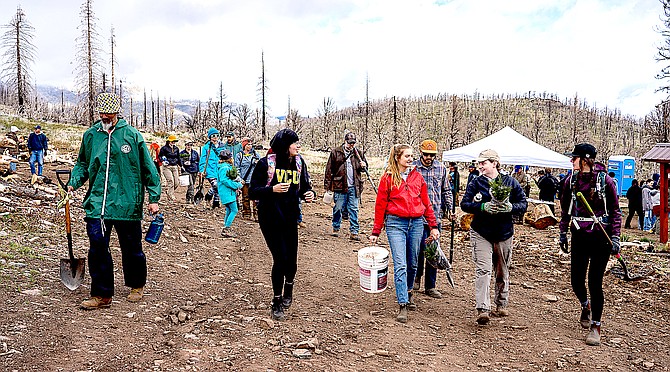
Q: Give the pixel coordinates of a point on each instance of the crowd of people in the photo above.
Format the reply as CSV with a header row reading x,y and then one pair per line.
x,y
415,195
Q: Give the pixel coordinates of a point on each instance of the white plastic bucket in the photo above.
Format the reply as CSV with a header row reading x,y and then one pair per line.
x,y
184,180
373,263
328,197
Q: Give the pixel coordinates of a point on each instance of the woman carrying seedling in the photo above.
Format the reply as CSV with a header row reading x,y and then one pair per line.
x,y
279,180
402,201
493,198
228,182
590,246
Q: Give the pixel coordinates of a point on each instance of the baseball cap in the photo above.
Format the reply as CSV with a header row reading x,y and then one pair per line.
x,y
38,127
350,138
13,129
583,150
428,147
488,155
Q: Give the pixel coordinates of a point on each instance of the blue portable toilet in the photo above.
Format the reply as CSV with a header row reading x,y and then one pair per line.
x,y
623,168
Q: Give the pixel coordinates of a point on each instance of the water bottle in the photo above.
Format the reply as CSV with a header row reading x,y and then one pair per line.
x,y
155,229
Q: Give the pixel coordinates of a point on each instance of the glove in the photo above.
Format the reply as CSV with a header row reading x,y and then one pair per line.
x,y
45,152
489,208
563,242
505,207
616,245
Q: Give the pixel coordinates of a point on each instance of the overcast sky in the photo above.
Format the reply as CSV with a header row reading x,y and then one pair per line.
x,y
603,50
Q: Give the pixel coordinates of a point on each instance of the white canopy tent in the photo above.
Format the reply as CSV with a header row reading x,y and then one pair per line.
x,y
513,149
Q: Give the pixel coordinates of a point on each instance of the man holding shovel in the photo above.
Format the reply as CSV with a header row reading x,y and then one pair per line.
x,y
590,209
115,198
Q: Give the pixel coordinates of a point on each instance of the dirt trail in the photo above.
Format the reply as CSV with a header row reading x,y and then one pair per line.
x,y
207,306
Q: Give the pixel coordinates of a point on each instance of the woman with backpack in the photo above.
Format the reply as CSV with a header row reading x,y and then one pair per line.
x,y
591,248
279,180
245,161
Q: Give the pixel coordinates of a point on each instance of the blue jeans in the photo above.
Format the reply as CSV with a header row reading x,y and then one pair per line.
x,y
431,272
404,235
36,156
649,220
231,212
100,264
349,201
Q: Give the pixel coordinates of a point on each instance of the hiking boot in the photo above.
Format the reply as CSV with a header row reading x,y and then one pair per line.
x,y
593,339
411,305
501,311
216,204
434,293
482,317
417,282
585,318
402,314
287,297
96,302
355,237
277,309
335,233
208,196
136,294
227,232
302,225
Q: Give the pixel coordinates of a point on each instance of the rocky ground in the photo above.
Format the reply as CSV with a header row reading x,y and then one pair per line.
x,y
207,304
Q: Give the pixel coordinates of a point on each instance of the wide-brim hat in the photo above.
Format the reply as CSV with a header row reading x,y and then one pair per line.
x,y
108,103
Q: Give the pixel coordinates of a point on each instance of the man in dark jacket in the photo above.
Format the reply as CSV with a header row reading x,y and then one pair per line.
x,y
472,173
455,178
634,196
37,147
548,184
190,164
343,178
492,232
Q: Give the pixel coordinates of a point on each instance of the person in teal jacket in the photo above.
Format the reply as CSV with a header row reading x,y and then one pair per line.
x,y
209,165
231,144
115,161
228,178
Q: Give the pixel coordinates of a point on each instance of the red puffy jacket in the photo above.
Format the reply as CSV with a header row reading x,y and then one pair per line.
x,y
410,200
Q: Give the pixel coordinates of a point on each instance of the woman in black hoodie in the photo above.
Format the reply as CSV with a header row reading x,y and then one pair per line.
x,y
279,180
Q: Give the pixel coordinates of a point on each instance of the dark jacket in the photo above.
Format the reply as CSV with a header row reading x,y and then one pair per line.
x,y
171,153
474,174
190,162
37,142
335,178
634,196
586,184
548,185
280,207
455,180
492,227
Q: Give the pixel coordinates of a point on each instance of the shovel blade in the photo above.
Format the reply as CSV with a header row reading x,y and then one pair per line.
x,y
450,278
72,272
197,198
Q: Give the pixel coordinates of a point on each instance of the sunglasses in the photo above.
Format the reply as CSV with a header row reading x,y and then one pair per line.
x,y
214,136
428,155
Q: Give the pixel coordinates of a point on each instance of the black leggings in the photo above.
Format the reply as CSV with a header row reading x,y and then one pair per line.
x,y
590,252
640,217
282,240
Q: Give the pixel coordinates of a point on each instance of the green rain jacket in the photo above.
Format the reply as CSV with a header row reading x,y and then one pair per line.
x,y
119,168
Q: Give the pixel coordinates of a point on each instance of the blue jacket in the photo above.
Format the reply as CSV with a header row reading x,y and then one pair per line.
x,y
492,227
246,163
211,163
37,142
227,187
234,148
190,162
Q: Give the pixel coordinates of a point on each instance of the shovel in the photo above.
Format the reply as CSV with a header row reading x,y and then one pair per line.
x,y
71,269
626,274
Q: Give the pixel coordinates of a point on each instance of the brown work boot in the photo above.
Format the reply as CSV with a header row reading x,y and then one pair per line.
x,y
593,339
411,305
136,294
96,302
355,237
417,282
402,314
434,293
482,317
501,311
336,232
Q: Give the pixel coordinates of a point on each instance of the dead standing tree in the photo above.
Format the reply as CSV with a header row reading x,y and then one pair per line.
x,y
88,60
19,54
262,93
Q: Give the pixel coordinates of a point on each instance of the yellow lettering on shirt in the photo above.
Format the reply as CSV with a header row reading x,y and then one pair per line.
x,y
289,176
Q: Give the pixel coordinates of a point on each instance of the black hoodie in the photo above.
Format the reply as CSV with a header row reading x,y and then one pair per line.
x,y
280,206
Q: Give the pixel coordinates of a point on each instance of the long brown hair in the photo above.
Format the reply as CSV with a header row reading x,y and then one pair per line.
x,y
393,169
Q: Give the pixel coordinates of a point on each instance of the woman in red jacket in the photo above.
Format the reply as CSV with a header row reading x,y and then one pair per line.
x,y
402,204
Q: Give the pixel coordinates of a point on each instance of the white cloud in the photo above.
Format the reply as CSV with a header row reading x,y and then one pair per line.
x,y
602,50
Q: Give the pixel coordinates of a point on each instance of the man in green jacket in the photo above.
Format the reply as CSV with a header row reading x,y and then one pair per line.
x,y
115,160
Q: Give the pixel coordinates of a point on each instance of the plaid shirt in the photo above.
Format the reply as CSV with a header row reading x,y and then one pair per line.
x,y
439,188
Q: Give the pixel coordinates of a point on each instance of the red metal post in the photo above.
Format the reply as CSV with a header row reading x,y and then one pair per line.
x,y
664,203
